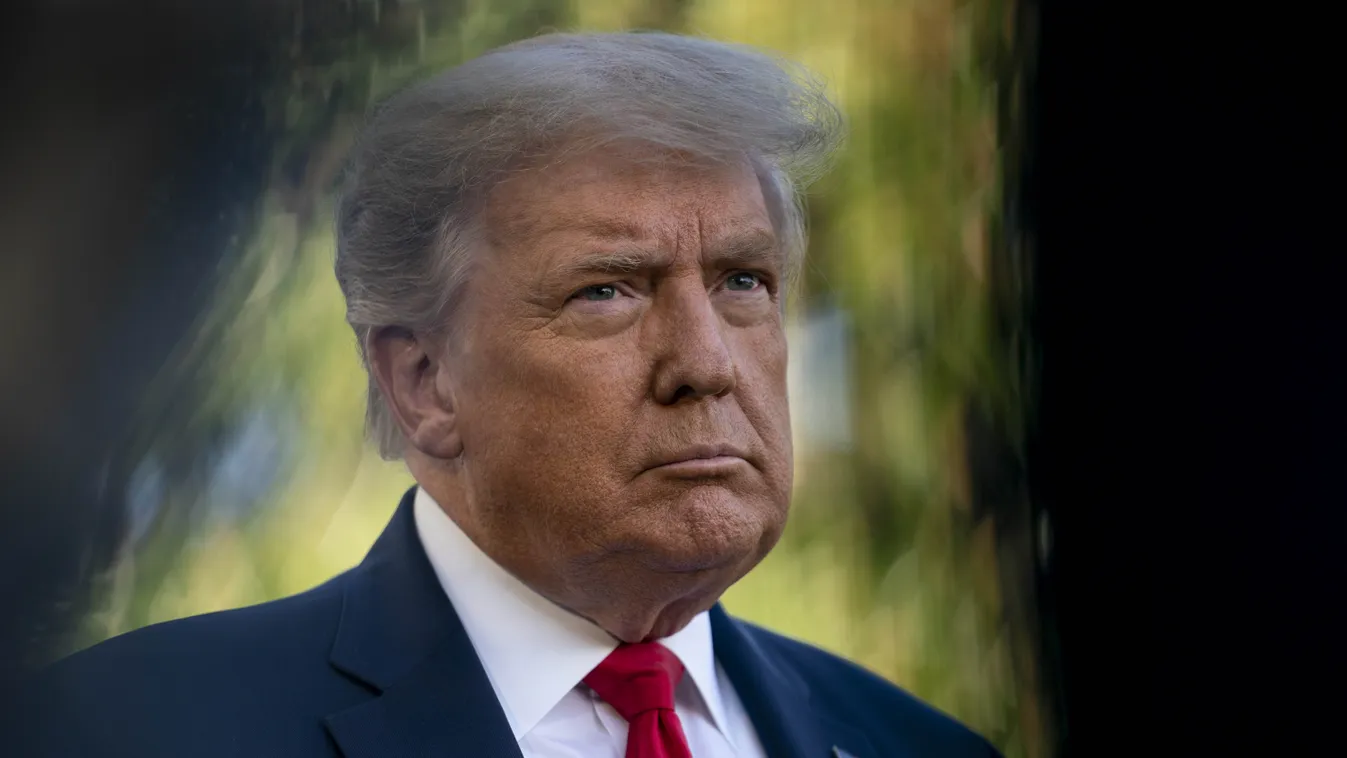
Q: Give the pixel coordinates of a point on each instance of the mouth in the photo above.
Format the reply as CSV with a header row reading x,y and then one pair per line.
x,y
702,461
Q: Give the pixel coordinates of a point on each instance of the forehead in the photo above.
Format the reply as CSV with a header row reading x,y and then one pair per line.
x,y
618,194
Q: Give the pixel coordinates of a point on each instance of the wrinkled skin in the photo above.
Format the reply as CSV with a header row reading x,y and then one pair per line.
x,y
622,315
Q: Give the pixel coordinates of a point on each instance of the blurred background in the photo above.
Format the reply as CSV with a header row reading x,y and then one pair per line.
x,y
184,399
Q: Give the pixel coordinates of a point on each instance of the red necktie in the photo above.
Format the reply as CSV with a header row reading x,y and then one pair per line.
x,y
638,681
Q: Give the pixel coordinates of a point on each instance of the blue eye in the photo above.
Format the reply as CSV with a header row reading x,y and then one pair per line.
x,y
743,282
598,292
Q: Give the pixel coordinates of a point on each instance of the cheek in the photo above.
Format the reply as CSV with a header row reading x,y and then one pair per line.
x,y
762,364
568,399
763,394
546,427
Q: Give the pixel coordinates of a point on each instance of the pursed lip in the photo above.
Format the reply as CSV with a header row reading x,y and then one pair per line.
x,y
710,453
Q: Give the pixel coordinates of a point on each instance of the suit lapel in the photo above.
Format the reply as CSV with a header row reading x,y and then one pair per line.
x,y
777,701
443,709
400,636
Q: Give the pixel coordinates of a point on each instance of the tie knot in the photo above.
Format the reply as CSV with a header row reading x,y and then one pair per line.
x,y
637,678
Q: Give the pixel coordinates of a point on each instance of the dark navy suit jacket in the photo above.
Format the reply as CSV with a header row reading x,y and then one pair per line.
x,y
376,663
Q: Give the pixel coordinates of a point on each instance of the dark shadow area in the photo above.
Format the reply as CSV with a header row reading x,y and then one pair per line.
x,y
1186,450
136,144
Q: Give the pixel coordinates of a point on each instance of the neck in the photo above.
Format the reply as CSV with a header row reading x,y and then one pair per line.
x,y
658,608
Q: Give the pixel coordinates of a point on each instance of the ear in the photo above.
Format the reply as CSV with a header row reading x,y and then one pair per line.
x,y
415,384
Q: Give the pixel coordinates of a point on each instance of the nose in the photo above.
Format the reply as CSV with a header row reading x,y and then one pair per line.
x,y
694,357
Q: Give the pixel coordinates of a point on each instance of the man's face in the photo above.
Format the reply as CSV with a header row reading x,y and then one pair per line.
x,y
620,387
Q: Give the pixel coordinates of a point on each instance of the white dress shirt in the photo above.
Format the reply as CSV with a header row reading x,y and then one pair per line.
x,y
536,654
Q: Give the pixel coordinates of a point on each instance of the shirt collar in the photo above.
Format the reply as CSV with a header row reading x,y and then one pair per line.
x,y
535,652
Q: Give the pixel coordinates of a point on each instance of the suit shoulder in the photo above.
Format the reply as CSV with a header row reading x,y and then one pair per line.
x,y
274,631
215,678
895,720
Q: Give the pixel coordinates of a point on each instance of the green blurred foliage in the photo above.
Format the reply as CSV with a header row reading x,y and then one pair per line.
x,y
263,486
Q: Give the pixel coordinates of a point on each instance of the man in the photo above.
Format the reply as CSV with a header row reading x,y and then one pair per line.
x,y
565,263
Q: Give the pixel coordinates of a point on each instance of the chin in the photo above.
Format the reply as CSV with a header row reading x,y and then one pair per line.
x,y
675,555
678,615
710,529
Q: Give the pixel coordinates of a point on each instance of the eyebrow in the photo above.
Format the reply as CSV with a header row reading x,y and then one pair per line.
x,y
743,249
618,262
747,248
